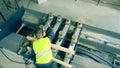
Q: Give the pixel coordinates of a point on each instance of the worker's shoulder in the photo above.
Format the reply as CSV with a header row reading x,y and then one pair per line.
x,y
46,38
42,39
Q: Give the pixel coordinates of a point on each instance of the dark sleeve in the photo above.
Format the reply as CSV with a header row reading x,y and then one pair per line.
x,y
50,33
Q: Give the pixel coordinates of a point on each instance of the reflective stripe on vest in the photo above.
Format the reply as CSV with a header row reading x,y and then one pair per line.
x,y
43,54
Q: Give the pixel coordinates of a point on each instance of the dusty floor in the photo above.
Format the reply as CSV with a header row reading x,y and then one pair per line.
x,y
86,11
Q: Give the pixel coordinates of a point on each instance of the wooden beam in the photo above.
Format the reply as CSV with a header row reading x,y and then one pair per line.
x,y
56,47
62,63
63,49
20,28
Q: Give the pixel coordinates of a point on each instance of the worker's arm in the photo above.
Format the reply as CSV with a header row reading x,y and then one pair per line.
x,y
30,38
50,33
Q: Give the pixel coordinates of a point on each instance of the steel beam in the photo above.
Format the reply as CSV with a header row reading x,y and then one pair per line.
x,y
101,38
62,34
50,19
59,21
73,42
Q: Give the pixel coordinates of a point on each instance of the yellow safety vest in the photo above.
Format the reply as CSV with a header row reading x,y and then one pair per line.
x,y
42,49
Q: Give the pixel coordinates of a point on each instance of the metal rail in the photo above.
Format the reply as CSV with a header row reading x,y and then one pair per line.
x,y
62,35
59,21
73,42
50,19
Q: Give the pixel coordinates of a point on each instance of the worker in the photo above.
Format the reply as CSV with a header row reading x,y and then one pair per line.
x,y
42,48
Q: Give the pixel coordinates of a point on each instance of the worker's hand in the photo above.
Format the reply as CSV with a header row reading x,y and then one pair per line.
x,y
29,49
48,24
30,38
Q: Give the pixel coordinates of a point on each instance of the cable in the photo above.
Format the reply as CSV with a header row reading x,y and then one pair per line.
x,y
97,56
11,59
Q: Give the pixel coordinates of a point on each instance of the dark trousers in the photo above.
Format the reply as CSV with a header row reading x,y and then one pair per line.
x,y
48,65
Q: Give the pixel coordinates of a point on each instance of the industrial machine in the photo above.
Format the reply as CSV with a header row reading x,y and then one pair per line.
x,y
91,45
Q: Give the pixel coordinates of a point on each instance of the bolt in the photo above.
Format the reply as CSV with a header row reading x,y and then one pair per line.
x,y
67,21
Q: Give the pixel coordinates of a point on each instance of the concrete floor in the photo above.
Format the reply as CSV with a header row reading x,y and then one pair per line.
x,y
86,11
85,62
5,63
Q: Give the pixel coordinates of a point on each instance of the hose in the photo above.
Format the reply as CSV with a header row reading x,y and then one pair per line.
x,y
11,59
97,56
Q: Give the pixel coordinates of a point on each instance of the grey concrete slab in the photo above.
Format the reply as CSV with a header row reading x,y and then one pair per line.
x,y
85,11
5,63
85,62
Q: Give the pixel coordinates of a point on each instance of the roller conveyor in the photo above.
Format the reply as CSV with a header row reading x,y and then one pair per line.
x,y
73,42
105,46
50,19
62,35
59,21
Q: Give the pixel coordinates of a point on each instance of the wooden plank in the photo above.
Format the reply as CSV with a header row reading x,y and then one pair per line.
x,y
55,46
62,63
63,49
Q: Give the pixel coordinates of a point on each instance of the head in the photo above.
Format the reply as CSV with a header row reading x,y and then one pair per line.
x,y
39,33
